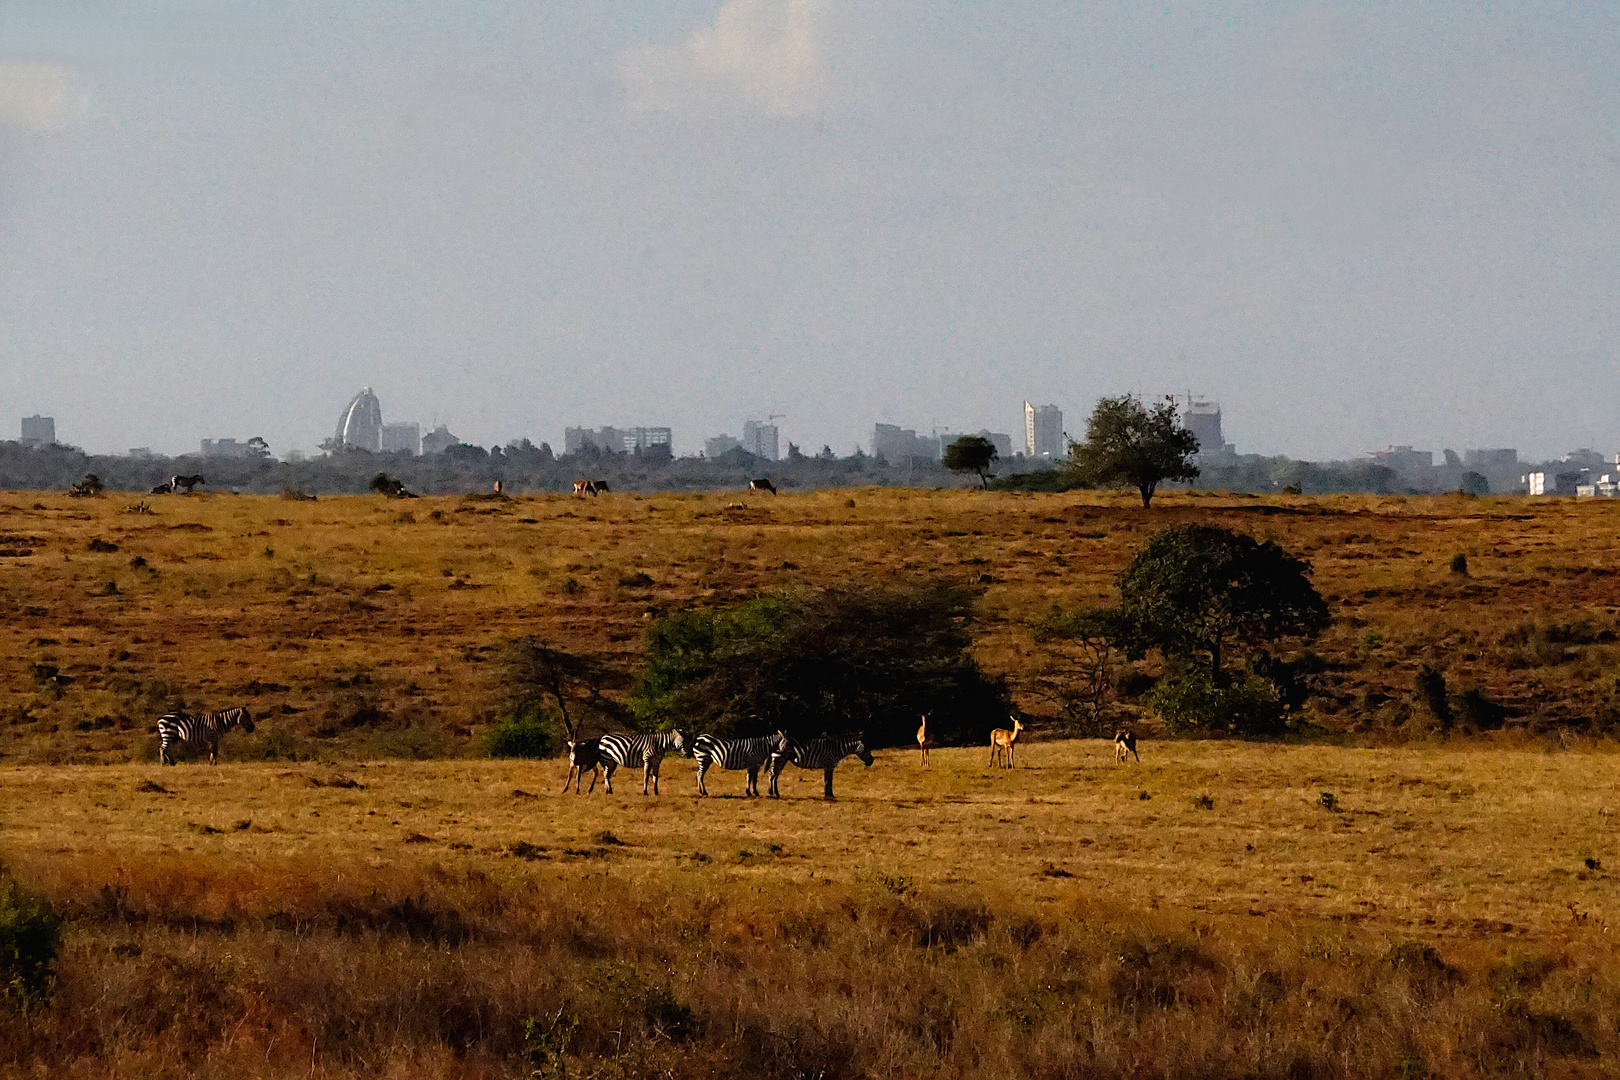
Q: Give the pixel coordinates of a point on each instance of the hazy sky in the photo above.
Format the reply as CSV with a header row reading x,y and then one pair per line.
x,y
1352,224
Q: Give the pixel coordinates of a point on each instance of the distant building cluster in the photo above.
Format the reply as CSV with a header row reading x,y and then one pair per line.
x,y
646,441
227,448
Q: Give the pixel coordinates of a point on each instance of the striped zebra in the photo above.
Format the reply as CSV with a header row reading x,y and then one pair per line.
x,y
644,752
824,753
200,731
750,754
582,755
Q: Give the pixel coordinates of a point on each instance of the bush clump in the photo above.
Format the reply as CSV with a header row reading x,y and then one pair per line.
x,y
526,731
30,934
1193,702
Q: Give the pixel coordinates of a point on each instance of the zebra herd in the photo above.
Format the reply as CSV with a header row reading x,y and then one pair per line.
x,y
646,752
606,754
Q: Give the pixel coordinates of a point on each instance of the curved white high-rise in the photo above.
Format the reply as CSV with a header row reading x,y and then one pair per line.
x,y
360,426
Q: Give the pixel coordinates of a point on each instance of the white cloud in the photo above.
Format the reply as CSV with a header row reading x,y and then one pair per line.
x,y
39,97
759,54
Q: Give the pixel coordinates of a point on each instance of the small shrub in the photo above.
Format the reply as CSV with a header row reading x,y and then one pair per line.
x,y
1330,801
1474,710
30,934
1192,702
524,732
1205,802
1429,688
1459,564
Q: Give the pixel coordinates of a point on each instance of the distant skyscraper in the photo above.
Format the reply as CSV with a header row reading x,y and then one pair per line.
x,y
360,426
760,439
38,430
1043,431
401,438
896,444
1203,419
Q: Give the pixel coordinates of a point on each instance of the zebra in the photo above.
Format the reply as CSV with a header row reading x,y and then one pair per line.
x,y
582,755
824,753
644,752
748,754
199,730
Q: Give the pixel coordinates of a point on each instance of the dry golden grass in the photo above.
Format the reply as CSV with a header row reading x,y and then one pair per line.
x,y
405,918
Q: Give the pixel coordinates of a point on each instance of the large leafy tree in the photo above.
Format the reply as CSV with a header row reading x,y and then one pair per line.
x,y
1202,590
871,659
971,453
1130,445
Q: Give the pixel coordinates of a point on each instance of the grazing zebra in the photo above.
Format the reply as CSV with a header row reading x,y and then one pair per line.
x,y
644,752
824,753
187,482
749,754
762,484
199,730
582,755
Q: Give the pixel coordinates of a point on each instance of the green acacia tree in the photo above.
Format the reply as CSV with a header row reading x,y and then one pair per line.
x,y
971,453
1202,590
1130,445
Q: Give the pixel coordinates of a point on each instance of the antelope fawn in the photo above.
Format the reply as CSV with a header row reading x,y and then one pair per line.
x,y
1125,742
1004,743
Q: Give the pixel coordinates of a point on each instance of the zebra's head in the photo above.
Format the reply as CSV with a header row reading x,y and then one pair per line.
x,y
861,751
246,721
678,741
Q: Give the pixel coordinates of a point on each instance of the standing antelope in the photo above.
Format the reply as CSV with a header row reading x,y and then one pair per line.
x,y
1003,743
924,741
762,484
1125,741
584,487
582,755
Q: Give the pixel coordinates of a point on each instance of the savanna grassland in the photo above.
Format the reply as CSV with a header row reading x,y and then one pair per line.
x,y
356,892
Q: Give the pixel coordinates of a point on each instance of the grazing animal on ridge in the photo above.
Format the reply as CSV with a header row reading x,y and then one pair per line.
x,y
925,742
1125,740
644,752
1004,743
749,754
200,730
583,755
187,482
584,487
824,753
762,484
161,489
601,487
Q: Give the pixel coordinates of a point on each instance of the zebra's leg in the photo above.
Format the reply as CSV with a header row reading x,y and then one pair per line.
x,y
827,787
607,774
752,787
776,771
703,767
213,753
596,772
569,779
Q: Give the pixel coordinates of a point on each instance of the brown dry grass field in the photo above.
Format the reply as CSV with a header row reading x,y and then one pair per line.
x,y
358,912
